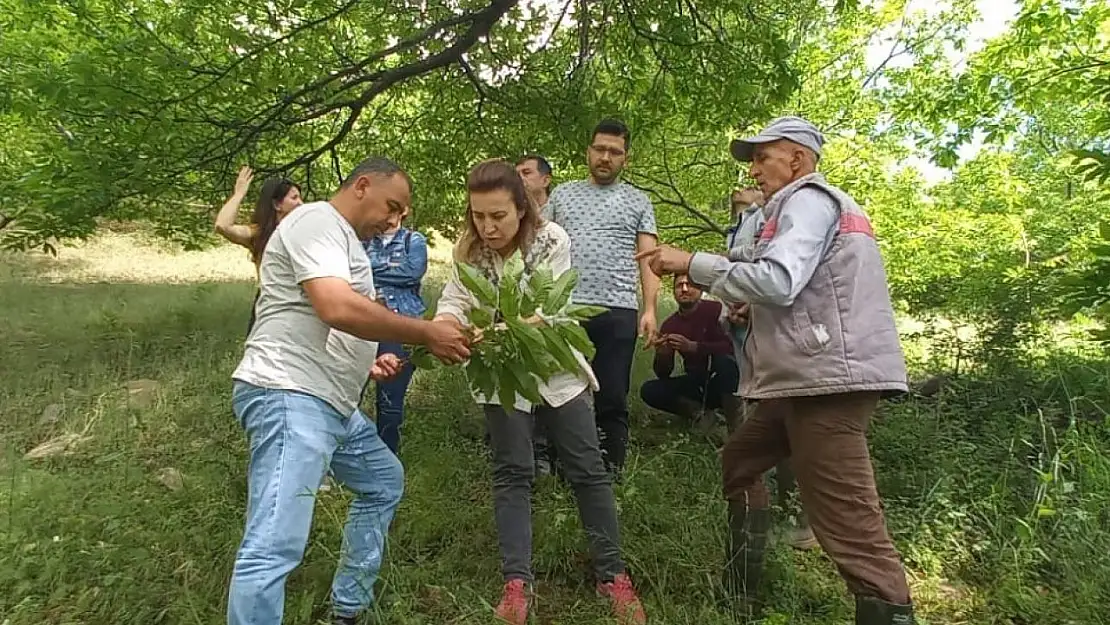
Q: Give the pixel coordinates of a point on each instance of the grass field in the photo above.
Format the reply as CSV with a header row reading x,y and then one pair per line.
x,y
997,490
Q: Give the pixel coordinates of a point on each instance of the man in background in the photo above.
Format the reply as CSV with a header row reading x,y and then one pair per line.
x,y
609,221
709,381
536,173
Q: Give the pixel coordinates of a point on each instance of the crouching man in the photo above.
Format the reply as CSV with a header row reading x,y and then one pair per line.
x,y
710,376
821,350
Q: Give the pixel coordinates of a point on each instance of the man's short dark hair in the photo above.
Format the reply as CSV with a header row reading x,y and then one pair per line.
x,y
376,165
542,165
614,127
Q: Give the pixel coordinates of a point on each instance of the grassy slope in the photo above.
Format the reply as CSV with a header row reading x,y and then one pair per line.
x,y
94,538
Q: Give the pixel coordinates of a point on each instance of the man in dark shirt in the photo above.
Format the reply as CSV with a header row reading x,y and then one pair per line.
x,y
711,374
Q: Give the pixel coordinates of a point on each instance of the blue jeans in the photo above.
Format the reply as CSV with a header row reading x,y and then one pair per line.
x,y
294,439
390,398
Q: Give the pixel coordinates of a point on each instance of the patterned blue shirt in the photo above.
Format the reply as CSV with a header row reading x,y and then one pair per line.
x,y
399,261
603,222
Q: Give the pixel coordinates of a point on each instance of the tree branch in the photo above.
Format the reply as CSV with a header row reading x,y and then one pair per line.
x,y
481,22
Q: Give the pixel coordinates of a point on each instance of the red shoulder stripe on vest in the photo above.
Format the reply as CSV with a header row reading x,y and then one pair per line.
x,y
850,223
769,228
855,223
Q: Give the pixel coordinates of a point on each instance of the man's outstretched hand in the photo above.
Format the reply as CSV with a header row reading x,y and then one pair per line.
x,y
447,341
386,367
665,260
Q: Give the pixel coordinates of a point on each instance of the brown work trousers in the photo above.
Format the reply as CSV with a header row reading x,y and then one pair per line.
x,y
825,438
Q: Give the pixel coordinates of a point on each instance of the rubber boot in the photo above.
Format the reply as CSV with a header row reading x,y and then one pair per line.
x,y
746,547
875,611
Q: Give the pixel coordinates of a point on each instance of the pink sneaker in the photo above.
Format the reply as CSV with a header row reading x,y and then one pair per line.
x,y
626,605
513,608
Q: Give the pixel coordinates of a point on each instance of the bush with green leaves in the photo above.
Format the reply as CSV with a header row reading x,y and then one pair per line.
x,y
526,331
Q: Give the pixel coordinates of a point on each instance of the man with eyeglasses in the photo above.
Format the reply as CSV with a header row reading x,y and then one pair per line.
x,y
609,221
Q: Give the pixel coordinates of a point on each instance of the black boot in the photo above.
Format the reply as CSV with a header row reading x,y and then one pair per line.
x,y
747,544
875,611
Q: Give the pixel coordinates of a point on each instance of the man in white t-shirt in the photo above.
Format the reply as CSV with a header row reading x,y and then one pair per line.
x,y
296,391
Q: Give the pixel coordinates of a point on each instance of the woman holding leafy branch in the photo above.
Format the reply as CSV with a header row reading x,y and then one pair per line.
x,y
512,283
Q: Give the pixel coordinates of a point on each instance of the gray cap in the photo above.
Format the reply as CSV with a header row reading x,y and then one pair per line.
x,y
793,129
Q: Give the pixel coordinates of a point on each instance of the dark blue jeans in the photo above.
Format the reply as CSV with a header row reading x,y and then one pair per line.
x,y
390,398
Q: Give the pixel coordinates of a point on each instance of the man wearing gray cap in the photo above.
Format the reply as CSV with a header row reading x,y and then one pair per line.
x,y
821,350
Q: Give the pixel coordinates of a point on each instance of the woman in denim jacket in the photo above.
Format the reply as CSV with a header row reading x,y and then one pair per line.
x,y
399,259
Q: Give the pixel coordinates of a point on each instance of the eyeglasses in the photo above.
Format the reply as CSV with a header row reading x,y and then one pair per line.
x,y
613,152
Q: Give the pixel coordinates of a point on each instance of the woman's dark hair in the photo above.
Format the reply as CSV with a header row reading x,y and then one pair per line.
x,y
493,175
265,216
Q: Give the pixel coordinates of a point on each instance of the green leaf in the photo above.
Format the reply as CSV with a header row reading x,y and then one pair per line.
x,y
558,348
480,317
582,312
524,382
539,362
506,388
477,284
560,292
514,268
527,304
421,358
529,337
480,375
539,285
576,336
509,297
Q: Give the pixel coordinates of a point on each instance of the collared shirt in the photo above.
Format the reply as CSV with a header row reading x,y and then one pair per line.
x,y
399,261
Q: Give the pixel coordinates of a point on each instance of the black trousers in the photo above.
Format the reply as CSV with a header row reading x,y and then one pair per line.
x,y
665,393
613,334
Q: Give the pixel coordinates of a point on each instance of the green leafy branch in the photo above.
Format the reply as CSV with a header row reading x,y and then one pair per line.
x,y
526,331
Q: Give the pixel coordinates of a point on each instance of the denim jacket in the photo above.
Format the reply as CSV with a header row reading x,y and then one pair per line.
x,y
399,267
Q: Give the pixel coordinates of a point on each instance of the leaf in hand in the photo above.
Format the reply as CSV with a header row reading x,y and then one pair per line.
x,y
560,292
539,285
508,300
480,375
514,268
524,382
421,358
480,317
477,284
575,335
558,348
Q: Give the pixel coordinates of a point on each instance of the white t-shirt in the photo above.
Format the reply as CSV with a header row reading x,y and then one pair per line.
x,y
289,347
